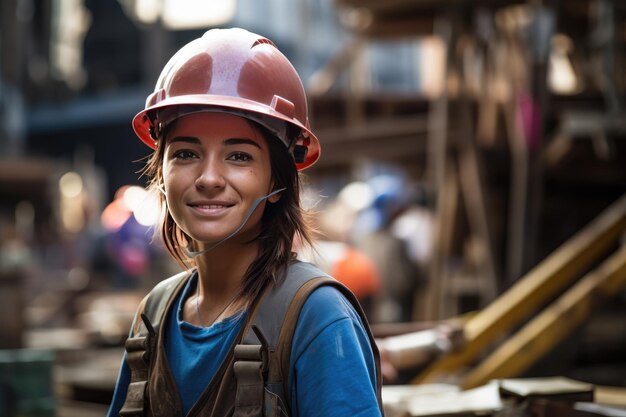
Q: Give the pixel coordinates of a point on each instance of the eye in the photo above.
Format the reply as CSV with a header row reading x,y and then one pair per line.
x,y
240,157
184,154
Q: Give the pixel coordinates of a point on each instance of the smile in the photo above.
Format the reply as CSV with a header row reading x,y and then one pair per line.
x,y
210,208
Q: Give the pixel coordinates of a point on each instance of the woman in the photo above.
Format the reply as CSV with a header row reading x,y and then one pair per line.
x,y
228,122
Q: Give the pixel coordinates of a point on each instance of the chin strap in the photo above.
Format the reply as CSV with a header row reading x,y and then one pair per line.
x,y
192,253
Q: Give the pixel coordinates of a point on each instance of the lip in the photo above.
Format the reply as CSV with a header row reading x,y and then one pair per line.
x,y
210,207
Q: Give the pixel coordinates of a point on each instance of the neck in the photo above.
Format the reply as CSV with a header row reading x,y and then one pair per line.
x,y
220,280
221,272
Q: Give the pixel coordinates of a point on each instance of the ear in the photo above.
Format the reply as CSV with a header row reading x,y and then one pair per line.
x,y
274,198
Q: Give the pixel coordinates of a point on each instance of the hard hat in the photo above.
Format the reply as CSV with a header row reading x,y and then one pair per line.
x,y
389,192
389,195
238,72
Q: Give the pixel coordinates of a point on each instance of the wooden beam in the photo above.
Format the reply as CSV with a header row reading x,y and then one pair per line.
x,y
534,289
554,324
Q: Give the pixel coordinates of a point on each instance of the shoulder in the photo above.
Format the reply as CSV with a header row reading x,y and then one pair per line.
x,y
327,301
327,312
332,359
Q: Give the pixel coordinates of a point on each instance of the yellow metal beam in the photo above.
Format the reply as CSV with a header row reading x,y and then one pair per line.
x,y
533,290
553,324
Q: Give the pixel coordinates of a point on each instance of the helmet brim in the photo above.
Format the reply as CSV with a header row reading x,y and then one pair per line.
x,y
145,120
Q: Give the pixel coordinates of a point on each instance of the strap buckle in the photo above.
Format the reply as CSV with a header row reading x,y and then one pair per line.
x,y
250,367
138,353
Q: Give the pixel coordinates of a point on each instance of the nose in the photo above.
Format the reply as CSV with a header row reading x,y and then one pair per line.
x,y
211,176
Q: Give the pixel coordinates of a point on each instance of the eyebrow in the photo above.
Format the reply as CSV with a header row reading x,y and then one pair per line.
x,y
187,139
241,141
230,141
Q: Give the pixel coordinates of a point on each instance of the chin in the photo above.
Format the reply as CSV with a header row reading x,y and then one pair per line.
x,y
210,238
204,238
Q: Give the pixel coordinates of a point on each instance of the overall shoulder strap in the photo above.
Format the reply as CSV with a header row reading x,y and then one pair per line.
x,y
272,309
140,345
157,301
259,393
263,358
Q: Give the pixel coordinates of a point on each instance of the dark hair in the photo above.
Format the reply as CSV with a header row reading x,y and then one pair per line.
x,y
282,221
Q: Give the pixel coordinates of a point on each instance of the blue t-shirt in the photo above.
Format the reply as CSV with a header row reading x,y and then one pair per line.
x,y
332,370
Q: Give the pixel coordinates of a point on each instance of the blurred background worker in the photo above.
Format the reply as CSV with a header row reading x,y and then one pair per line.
x,y
350,266
373,234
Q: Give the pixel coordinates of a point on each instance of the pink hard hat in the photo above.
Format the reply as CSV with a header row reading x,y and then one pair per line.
x,y
238,72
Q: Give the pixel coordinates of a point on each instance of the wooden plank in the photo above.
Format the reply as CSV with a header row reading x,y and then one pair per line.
x,y
472,186
441,176
611,396
445,224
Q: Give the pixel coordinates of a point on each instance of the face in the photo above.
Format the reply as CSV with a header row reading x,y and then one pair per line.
x,y
215,166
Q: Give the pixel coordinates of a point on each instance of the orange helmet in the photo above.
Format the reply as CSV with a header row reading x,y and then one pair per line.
x,y
238,72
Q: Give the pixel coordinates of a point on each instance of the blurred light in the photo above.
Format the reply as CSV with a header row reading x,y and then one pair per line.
x,y
130,200
72,216
356,195
71,185
70,23
117,212
133,197
114,216
147,212
148,11
432,66
71,204
195,14
562,78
